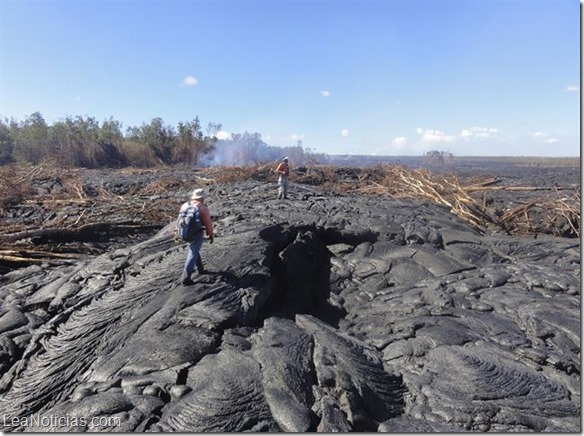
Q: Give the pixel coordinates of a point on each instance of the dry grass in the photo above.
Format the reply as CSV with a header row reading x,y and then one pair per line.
x,y
15,185
443,189
556,213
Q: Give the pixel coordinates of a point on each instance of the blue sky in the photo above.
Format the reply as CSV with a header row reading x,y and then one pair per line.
x,y
386,77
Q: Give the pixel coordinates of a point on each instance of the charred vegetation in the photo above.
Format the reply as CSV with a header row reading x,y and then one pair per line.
x,y
49,213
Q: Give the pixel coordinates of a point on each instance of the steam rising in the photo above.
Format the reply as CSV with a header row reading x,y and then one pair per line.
x,y
248,149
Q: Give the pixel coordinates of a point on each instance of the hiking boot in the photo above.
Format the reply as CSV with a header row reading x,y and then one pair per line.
x,y
201,270
187,281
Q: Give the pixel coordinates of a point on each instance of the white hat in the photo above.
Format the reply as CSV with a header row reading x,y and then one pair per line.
x,y
285,158
198,194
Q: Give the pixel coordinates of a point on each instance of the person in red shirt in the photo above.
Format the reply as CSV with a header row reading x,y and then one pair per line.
x,y
283,170
193,257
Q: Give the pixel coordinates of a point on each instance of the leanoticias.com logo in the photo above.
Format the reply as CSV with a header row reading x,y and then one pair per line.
x,y
57,421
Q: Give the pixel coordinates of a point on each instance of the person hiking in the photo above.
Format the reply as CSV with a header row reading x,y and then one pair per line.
x,y
202,213
283,170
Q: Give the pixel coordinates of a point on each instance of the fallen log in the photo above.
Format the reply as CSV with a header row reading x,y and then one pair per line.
x,y
11,259
58,201
88,232
520,188
30,256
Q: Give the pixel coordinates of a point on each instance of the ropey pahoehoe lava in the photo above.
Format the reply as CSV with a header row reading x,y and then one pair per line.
x,y
319,313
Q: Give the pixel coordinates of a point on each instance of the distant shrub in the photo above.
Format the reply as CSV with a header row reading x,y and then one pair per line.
x,y
437,157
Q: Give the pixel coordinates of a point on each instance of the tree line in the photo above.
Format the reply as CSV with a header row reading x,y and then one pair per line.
x,y
84,142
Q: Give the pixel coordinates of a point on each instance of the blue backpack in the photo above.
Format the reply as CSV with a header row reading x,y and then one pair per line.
x,y
189,224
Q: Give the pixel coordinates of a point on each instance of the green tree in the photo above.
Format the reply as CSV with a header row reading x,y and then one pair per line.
x,y
158,137
31,142
76,141
110,141
6,143
191,143
111,132
189,135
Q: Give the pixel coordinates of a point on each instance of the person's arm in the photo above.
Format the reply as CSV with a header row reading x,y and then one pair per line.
x,y
206,218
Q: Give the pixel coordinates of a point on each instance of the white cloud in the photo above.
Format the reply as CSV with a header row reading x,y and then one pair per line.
x,y
295,136
344,133
434,136
488,132
325,93
223,135
401,145
572,88
546,136
425,138
400,141
190,81
479,132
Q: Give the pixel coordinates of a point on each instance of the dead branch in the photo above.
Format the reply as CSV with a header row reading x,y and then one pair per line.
x,y
35,256
86,232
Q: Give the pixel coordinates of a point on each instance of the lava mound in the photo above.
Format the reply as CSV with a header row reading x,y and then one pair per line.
x,y
318,313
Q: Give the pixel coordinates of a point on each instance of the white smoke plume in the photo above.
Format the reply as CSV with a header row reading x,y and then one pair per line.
x,y
248,149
